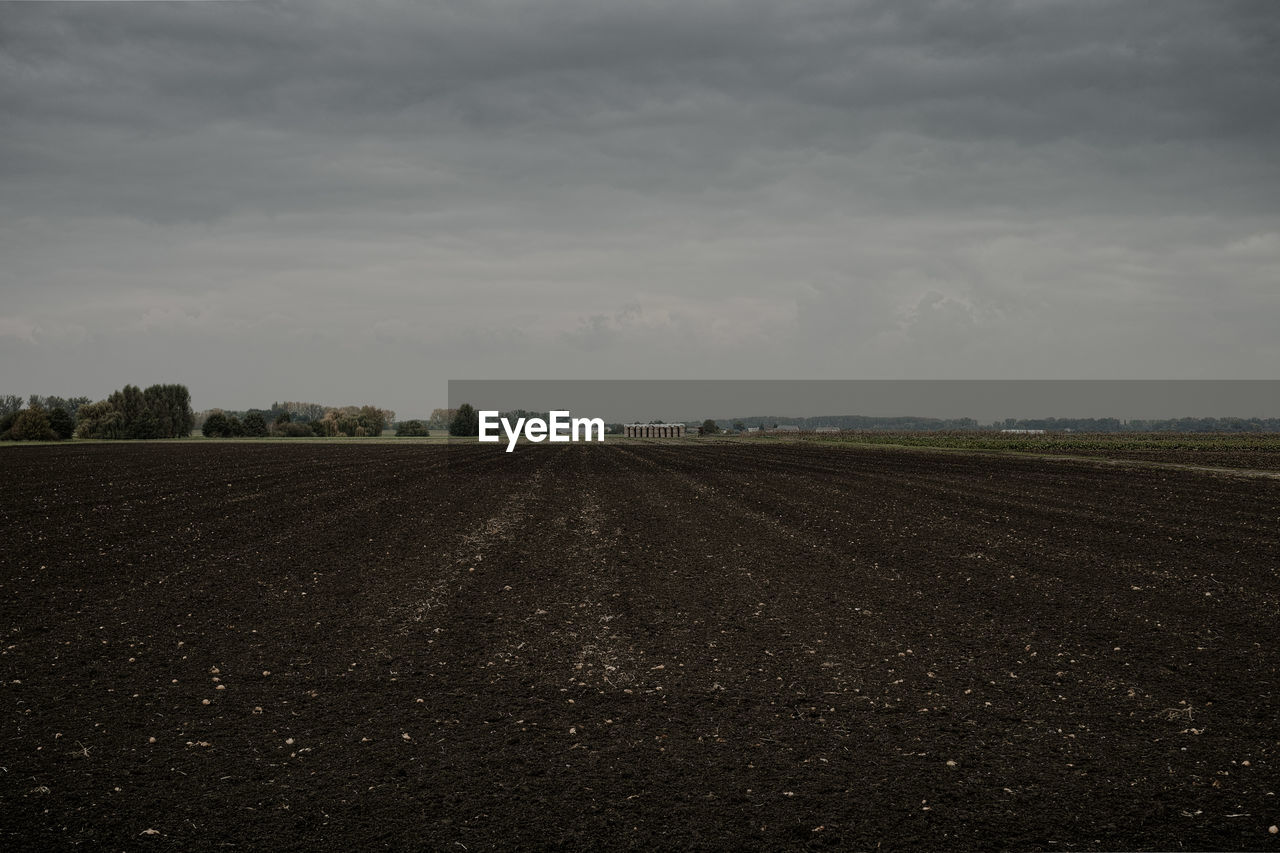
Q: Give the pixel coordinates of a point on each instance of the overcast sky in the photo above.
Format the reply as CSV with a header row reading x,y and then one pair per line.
x,y
354,202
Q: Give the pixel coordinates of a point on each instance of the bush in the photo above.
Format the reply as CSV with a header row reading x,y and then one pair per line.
x,y
412,428
289,429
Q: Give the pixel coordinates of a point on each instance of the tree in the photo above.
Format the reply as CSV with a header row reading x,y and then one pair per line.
x,y
162,411
130,403
372,419
348,425
71,404
62,423
10,404
441,418
174,405
99,420
255,425
216,425
147,424
709,427
739,426
32,425
466,422
299,411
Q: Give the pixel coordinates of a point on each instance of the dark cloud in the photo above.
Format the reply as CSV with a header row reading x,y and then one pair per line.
x,y
750,188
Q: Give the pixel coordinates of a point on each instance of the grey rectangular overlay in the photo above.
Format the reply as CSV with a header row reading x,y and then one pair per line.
x,y
987,401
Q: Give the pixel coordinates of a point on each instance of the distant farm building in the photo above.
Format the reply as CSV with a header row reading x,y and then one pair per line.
x,y
827,429
654,430
1024,431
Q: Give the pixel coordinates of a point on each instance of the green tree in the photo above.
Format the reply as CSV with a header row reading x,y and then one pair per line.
x,y
100,420
62,423
173,403
255,425
466,422
216,426
71,404
372,420
32,425
130,403
146,424
709,427
293,430
412,428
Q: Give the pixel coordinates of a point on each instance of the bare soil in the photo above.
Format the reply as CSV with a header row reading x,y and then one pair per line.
x,y
222,646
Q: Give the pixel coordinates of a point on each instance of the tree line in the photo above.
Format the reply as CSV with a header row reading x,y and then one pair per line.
x,y
160,411
1145,425
921,424
297,420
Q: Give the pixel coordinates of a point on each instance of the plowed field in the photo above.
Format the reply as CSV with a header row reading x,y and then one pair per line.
x,y
317,646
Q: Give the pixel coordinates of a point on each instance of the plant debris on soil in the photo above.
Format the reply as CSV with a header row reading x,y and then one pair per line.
x,y
344,646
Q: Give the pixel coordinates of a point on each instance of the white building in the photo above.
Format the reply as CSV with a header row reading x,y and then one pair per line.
x,y
654,430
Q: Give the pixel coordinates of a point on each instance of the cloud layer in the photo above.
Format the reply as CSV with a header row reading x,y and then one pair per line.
x,y
352,202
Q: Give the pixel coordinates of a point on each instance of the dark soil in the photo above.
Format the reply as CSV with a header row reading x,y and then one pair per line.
x,y
1263,459
631,646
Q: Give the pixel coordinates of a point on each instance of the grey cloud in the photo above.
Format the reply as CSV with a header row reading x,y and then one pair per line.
x,y
818,188
274,99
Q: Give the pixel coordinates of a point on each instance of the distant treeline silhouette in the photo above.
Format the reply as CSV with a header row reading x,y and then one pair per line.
x,y
919,424
161,411
295,420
